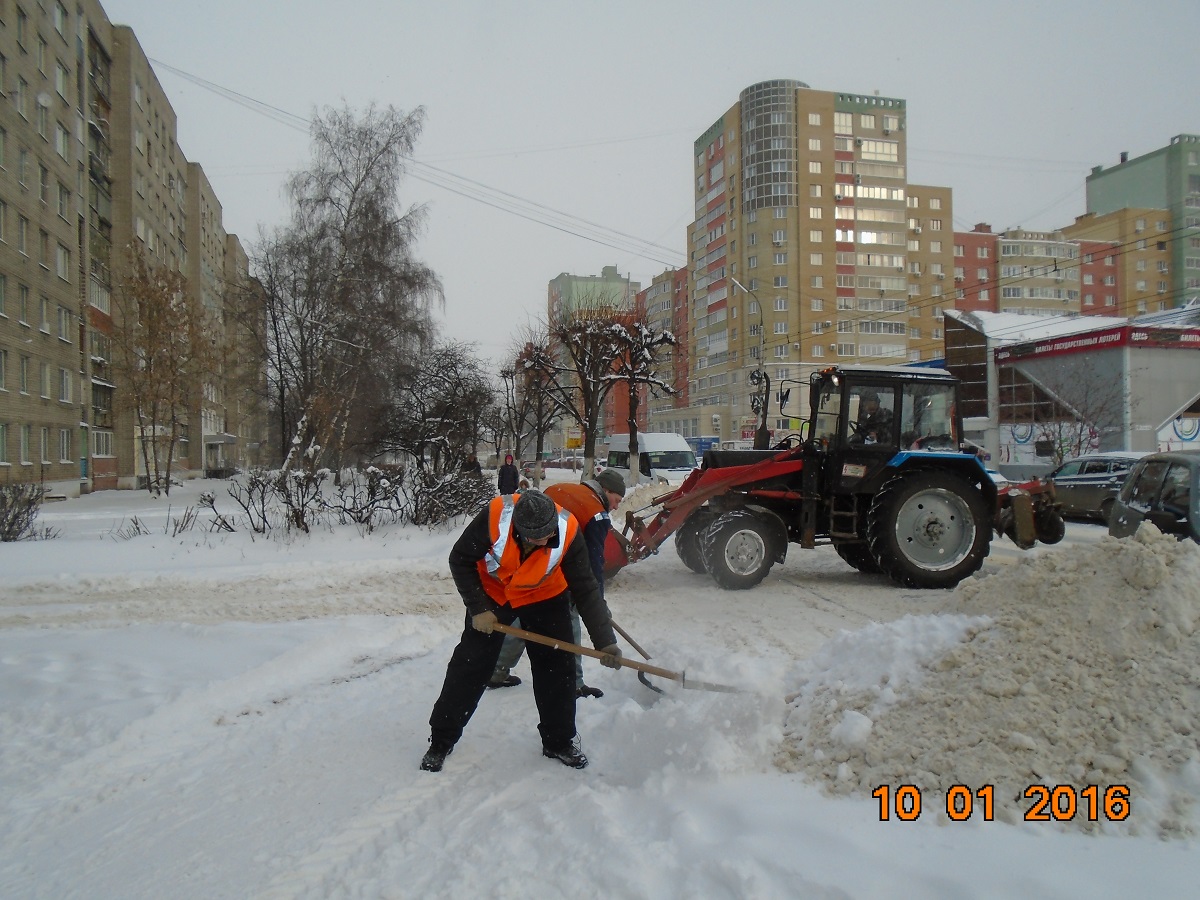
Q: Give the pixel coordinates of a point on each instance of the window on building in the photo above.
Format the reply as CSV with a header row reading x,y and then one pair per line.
x,y
64,445
64,385
26,442
64,324
814,167
814,118
814,144
817,303
780,259
44,433
44,380
814,236
816,281
814,212
983,252
62,263
780,281
781,328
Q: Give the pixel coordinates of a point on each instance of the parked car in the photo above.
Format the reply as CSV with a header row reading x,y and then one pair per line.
x,y
1088,485
1163,489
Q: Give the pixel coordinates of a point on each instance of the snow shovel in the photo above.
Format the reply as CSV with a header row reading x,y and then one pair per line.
x,y
636,646
681,677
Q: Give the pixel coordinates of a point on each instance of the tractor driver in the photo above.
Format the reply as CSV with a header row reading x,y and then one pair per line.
x,y
874,425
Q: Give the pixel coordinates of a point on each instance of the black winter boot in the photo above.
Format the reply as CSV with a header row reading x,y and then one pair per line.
x,y
436,755
568,755
585,690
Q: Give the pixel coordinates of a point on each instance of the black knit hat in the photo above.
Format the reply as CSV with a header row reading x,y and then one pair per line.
x,y
535,516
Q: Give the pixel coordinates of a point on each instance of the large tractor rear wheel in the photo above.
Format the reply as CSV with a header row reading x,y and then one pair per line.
x,y
739,549
689,540
929,529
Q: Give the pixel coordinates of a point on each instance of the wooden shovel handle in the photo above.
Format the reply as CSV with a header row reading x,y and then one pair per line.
x,y
586,651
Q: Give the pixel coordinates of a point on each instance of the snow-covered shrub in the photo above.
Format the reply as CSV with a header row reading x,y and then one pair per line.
x,y
19,507
435,500
368,498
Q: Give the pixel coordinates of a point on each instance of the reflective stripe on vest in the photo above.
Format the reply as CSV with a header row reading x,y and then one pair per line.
x,y
496,553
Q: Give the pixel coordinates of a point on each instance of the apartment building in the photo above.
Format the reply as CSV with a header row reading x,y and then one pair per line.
x,y
806,248
975,269
42,340
1166,179
89,168
1127,258
1038,273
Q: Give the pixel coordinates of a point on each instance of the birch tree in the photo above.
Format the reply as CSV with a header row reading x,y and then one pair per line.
x,y
345,295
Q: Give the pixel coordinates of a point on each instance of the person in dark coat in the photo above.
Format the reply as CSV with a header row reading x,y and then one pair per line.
x,y
591,502
523,555
472,467
508,477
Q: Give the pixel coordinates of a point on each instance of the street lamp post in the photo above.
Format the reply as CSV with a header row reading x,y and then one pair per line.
x,y
759,377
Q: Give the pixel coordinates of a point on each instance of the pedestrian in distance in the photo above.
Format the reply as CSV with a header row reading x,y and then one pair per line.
x,y
522,555
590,502
508,478
472,467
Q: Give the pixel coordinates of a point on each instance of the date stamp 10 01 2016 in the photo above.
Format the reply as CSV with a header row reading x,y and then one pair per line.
x,y
1061,803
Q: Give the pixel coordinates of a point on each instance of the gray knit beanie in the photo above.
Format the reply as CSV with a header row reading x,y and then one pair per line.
x,y
611,480
535,516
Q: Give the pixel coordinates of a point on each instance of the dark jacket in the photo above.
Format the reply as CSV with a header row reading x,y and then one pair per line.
x,y
475,542
508,479
587,502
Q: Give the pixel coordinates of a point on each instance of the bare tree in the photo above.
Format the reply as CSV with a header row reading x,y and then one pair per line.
x,y
576,367
164,353
432,408
1071,409
345,297
532,412
637,366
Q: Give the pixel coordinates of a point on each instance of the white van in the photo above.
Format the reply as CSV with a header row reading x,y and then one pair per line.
x,y
663,456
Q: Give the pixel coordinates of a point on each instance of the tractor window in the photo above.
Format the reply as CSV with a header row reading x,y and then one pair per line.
x,y
826,406
872,416
927,419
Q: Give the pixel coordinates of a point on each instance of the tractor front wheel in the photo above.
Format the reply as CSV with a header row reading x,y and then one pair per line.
x,y
857,554
929,529
739,549
689,537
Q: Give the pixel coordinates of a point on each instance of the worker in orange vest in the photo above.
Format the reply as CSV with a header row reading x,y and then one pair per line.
x,y
523,555
590,502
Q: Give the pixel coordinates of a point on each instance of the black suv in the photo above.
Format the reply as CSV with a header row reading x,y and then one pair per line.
x,y
1088,485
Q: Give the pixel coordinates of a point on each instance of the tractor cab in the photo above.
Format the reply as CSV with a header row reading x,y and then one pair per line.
x,y
867,419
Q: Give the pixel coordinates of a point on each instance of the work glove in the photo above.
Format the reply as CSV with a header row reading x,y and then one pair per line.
x,y
484,621
611,657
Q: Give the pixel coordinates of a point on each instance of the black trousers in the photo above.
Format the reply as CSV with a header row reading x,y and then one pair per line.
x,y
474,658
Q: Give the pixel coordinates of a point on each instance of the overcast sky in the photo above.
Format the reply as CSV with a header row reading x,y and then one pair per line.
x,y
589,110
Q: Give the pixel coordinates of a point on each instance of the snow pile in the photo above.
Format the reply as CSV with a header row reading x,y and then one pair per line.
x,y
1072,669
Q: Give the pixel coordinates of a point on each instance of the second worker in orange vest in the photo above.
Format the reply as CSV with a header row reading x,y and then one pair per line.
x,y
590,502
523,555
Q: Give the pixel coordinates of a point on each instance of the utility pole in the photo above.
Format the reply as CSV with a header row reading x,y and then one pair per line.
x,y
759,377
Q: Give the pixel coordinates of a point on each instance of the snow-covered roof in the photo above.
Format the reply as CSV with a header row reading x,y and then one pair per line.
x,y
1013,328
1002,329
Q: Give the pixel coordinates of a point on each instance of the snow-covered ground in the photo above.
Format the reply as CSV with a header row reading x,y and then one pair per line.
x,y
222,715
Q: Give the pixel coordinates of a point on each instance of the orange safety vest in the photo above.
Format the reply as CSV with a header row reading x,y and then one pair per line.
x,y
578,499
506,578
